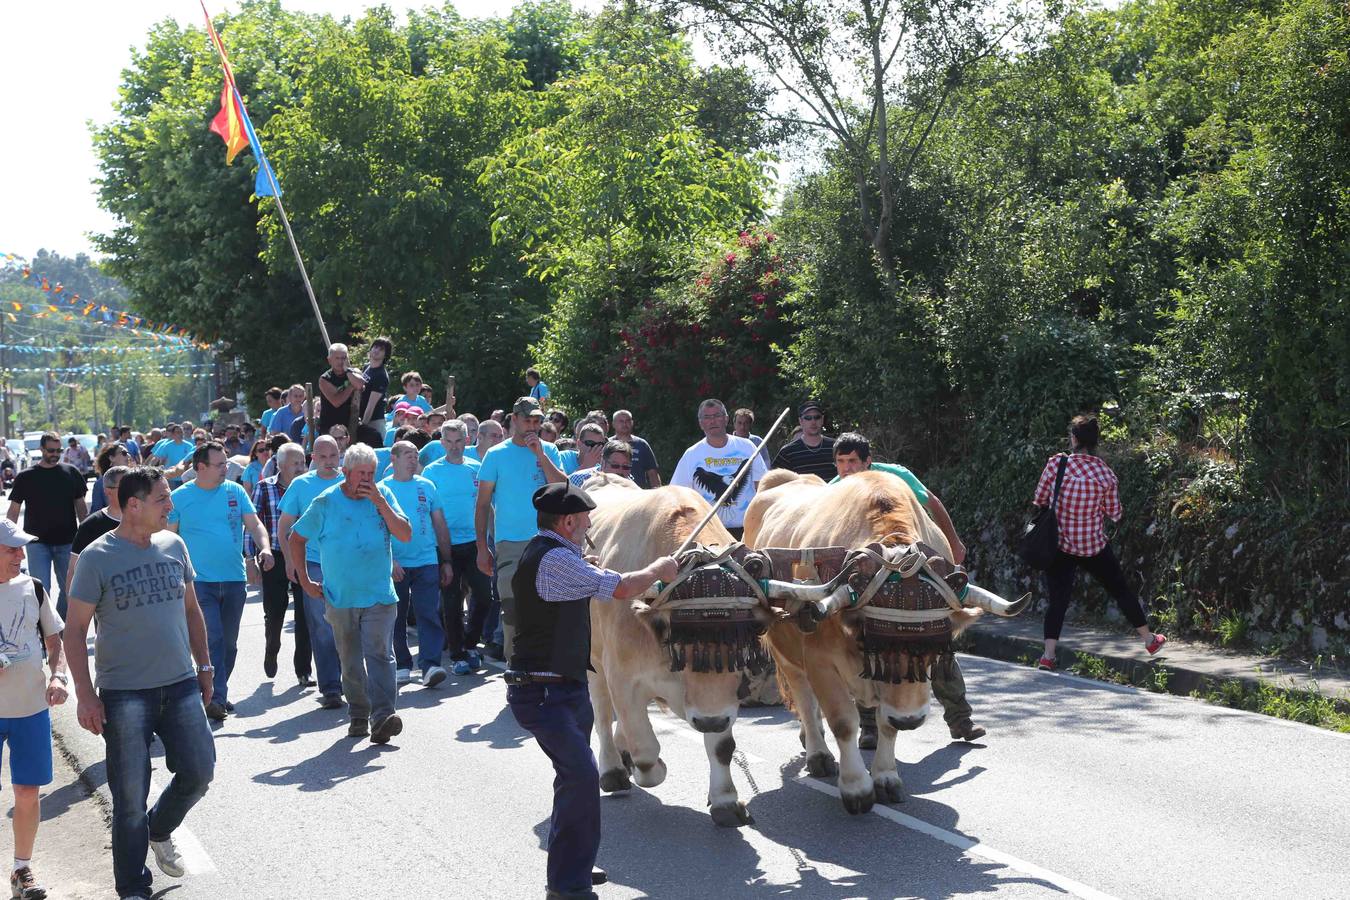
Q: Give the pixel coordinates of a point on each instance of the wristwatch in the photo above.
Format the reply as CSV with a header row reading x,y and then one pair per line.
x,y
201,669
61,677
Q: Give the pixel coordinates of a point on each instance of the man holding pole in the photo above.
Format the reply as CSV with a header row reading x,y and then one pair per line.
x,y
710,465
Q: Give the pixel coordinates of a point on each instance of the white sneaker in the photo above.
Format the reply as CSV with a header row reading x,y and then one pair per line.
x,y
403,676
167,858
433,676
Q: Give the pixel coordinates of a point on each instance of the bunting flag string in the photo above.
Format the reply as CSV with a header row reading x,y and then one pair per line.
x,y
92,348
68,306
122,369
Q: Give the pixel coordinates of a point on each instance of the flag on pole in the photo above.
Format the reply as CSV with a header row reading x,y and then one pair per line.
x,y
233,125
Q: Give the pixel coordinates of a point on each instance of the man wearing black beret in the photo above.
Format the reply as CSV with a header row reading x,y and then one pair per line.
x,y
548,695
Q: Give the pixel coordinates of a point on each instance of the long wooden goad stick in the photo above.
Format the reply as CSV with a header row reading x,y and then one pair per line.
x,y
740,473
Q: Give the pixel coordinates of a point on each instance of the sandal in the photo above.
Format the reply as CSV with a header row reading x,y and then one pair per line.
x,y
1156,644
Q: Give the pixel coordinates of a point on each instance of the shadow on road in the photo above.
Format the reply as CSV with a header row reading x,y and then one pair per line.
x,y
502,733
63,799
345,759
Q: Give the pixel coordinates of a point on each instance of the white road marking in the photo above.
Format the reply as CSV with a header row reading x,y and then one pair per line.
x,y
967,846
196,861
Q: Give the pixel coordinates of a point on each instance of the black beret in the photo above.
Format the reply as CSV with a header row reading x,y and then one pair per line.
x,y
562,499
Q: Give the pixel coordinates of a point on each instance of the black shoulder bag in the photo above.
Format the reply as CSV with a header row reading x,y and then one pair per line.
x,y
1040,538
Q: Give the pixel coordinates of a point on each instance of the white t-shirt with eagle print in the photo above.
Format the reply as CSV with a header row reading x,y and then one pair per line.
x,y
708,470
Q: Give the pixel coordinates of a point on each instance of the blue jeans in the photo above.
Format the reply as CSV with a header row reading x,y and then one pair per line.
x,y
222,604
560,718
42,559
133,718
328,669
365,643
421,588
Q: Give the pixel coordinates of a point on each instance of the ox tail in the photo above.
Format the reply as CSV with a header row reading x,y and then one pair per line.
x,y
785,690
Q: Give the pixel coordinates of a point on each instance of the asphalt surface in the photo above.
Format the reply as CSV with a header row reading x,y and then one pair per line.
x,y
1080,788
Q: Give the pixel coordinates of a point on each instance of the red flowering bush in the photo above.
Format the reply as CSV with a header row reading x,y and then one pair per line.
x,y
717,334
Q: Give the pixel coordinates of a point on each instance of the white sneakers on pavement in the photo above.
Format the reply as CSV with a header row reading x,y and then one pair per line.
x,y
433,676
167,857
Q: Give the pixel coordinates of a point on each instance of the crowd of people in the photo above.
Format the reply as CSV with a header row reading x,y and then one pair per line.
x,y
402,516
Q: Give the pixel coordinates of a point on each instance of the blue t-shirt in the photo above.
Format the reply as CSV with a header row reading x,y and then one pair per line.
x,y
384,462
211,523
539,391
390,438
430,453
298,497
266,418
284,417
516,475
174,452
133,449
419,401
419,500
355,547
252,474
457,488
472,453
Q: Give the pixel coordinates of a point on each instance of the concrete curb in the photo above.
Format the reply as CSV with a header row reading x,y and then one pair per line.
x,y
84,753
1189,667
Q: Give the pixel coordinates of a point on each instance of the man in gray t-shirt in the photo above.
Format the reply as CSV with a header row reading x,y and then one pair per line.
x,y
137,579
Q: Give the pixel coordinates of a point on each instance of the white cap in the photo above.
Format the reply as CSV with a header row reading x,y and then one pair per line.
x,y
12,536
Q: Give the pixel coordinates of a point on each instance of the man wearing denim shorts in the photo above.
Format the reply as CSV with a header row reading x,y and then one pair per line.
x,y
25,693
154,675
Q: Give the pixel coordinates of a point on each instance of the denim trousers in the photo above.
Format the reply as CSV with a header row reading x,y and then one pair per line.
x,y
222,604
133,718
327,666
464,637
507,557
421,589
560,718
42,559
364,636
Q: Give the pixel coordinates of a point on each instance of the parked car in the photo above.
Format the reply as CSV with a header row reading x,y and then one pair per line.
x,y
32,446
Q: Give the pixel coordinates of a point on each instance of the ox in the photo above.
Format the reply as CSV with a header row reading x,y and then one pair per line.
x,y
631,656
822,671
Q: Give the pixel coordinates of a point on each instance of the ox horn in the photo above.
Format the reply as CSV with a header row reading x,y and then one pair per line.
x,y
991,602
818,601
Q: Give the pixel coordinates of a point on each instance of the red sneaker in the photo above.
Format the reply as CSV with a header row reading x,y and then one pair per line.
x,y
1046,665
1156,644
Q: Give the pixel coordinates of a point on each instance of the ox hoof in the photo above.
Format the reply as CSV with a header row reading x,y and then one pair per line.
x,y
651,774
888,788
627,759
615,780
857,804
821,765
731,815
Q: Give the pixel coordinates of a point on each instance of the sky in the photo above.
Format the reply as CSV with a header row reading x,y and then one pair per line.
x,y
61,62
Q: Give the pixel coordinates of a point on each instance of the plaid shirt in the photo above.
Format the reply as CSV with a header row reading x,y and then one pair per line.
x,y
1089,492
564,575
267,501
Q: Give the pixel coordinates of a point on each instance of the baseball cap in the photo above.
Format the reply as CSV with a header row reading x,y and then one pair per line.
x,y
808,406
527,406
12,536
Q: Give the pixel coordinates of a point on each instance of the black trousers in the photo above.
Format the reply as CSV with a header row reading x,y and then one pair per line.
x,y
1106,569
461,637
277,591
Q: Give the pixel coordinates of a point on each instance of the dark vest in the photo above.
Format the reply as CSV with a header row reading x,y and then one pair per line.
x,y
550,637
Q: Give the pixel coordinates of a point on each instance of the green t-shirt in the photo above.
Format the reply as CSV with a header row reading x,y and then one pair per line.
x,y
903,474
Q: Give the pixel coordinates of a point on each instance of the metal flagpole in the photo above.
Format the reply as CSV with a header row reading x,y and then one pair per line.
x,y
740,473
286,224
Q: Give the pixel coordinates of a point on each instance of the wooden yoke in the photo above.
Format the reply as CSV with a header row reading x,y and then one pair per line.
x,y
309,418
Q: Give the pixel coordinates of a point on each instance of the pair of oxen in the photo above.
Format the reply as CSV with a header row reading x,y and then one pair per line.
x,y
810,630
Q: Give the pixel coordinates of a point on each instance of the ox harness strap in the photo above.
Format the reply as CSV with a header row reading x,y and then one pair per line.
x,y
903,596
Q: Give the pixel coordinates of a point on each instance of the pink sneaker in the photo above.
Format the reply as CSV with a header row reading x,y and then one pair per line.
x,y
1156,644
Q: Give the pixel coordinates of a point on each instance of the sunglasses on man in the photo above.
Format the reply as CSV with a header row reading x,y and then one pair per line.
x,y
594,444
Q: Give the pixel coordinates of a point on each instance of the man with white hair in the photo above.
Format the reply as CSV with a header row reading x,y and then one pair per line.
x,y
277,586
353,526
337,386
709,466
294,504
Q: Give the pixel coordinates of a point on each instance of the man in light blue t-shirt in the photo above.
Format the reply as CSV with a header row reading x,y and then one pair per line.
x,y
354,525
455,478
294,503
210,514
173,450
512,471
418,570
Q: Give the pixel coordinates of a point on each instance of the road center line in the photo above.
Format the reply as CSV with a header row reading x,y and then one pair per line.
x,y
967,846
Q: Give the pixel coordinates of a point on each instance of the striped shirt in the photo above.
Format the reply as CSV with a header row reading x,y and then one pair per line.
x,y
1088,493
804,460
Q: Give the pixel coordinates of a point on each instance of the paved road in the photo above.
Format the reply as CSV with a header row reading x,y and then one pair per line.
x,y
1080,788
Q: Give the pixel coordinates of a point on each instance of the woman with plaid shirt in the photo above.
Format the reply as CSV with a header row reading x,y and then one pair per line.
x,y
1088,493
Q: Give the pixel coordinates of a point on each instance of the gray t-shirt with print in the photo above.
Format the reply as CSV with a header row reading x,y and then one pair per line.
x,y
137,593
